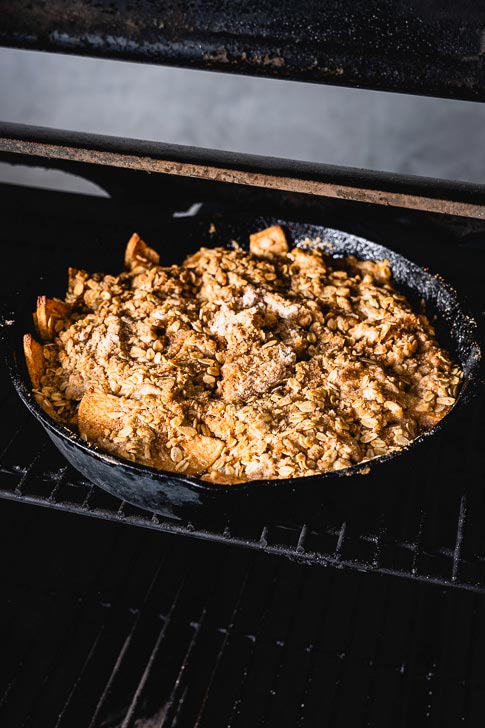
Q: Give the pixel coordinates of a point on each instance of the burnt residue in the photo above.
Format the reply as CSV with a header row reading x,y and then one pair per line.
x,y
431,48
221,56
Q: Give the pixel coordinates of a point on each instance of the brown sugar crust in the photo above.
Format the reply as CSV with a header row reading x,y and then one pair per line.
x,y
236,366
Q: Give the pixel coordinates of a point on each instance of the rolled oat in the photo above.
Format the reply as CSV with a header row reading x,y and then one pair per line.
x,y
236,366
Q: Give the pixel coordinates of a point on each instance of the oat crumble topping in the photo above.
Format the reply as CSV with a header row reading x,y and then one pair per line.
x,y
236,366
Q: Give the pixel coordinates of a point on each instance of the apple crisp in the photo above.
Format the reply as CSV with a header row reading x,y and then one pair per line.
x,y
236,365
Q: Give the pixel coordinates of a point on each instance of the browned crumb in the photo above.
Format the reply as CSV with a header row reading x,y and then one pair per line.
x,y
236,366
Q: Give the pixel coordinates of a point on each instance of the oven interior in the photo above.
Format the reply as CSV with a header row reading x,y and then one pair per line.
x,y
371,615
123,618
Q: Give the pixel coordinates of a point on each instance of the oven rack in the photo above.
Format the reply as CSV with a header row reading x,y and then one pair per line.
x,y
146,630
38,475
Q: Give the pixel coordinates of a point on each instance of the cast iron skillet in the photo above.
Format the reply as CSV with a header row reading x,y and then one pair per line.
x,y
178,496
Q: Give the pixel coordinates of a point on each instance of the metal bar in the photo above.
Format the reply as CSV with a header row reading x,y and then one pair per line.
x,y
59,480
340,541
183,685
301,539
284,649
266,607
417,545
173,704
379,542
411,47
409,666
437,676
148,667
155,522
85,503
29,470
345,655
378,188
81,673
459,538
225,642
463,509
306,557
127,642
300,722
375,662
382,538
424,509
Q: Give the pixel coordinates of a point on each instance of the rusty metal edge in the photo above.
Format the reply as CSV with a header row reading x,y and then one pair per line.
x,y
418,48
278,174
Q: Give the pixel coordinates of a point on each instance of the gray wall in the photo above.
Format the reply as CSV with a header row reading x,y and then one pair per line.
x,y
351,127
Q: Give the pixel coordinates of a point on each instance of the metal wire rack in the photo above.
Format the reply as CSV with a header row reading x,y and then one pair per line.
x,y
410,539
145,630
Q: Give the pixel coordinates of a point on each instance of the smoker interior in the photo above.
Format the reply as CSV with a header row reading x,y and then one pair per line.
x,y
210,623
110,625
